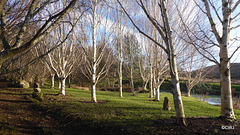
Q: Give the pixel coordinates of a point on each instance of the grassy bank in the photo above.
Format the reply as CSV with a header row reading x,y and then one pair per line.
x,y
117,115
211,88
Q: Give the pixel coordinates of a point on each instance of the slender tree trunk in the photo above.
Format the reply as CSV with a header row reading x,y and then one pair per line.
x,y
157,97
93,93
151,83
225,82
188,92
120,75
113,84
59,84
108,81
94,63
120,79
69,81
52,81
145,85
176,91
225,79
62,90
154,80
132,83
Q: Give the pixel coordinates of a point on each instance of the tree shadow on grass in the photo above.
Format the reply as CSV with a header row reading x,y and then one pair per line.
x,y
15,101
5,93
196,125
29,128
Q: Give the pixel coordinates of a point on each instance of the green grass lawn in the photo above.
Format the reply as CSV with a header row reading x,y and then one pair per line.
x,y
119,113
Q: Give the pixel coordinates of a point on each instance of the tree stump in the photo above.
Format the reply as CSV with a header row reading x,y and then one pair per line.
x,y
166,104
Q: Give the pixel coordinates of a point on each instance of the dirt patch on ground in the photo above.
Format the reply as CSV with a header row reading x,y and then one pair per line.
x,y
197,126
17,117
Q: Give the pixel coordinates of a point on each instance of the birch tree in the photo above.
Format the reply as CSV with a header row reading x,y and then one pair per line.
x,y
194,66
143,65
41,49
165,31
222,18
95,49
131,54
13,40
120,28
160,69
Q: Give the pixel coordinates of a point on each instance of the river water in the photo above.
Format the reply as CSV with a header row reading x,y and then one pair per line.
x,y
211,99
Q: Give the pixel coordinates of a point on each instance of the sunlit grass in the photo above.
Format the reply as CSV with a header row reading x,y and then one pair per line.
x,y
136,111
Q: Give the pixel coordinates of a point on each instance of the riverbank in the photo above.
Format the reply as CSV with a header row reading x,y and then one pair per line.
x,y
202,89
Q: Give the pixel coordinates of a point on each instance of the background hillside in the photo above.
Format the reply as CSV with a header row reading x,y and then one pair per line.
x,y
235,71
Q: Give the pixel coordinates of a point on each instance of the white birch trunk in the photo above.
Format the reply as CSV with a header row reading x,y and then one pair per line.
x,y
62,90
94,64
52,81
154,81
157,97
59,84
151,83
131,79
188,92
224,66
225,79
145,85
176,91
93,92
120,71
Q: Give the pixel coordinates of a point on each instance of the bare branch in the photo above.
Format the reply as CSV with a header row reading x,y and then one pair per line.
x,y
216,12
213,25
23,28
235,6
140,31
39,36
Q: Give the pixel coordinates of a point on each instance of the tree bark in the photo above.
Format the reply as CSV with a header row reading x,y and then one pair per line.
x,y
94,43
132,83
120,78
176,91
154,78
151,83
145,86
69,81
2,5
52,81
188,92
225,82
120,69
157,97
59,84
225,79
93,93
62,90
